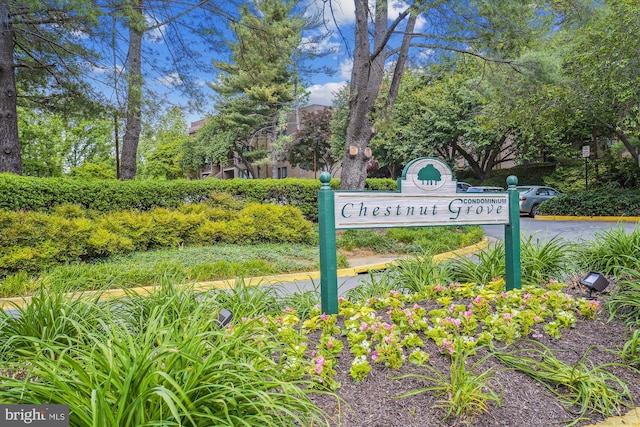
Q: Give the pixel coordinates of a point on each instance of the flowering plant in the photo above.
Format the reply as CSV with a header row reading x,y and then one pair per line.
x,y
360,367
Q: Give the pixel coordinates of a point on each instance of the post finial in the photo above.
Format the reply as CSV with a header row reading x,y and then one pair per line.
x,y
512,181
325,179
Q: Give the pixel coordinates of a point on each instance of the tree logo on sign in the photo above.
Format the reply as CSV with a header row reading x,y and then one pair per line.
x,y
429,174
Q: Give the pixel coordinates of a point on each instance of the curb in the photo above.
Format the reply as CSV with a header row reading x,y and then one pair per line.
x,y
630,419
16,302
588,218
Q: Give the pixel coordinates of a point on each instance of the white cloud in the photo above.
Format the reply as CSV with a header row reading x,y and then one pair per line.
x,y
170,80
310,44
110,69
156,34
324,94
333,12
345,68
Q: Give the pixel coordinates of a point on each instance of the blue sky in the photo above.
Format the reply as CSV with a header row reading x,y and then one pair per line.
x,y
321,87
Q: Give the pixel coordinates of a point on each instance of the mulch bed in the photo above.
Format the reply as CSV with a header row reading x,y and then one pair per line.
x,y
525,402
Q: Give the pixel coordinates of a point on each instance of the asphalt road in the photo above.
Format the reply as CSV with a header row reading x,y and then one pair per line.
x,y
575,231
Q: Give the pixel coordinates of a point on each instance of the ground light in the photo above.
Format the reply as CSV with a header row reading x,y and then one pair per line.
x,y
594,282
224,317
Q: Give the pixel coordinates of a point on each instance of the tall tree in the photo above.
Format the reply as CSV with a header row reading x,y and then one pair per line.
x,y
459,26
137,27
161,150
42,60
311,145
179,26
603,65
256,88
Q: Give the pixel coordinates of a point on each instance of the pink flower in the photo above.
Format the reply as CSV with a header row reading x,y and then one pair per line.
x,y
330,343
341,299
319,365
374,355
324,317
364,326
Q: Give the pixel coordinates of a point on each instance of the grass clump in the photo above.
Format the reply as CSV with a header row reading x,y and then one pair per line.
x,y
541,261
611,250
581,385
463,392
161,361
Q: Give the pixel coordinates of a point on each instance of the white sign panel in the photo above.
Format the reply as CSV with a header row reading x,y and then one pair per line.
x,y
586,150
427,197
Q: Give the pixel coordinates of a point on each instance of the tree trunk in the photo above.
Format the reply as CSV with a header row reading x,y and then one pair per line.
x,y
10,160
366,79
133,126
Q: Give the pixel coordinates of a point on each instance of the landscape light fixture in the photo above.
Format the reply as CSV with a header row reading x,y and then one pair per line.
x,y
594,282
224,317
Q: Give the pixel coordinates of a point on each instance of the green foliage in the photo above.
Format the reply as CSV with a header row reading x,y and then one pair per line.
x,y
530,174
586,387
32,241
410,240
50,317
161,360
160,151
93,171
463,392
417,273
541,261
597,202
624,302
177,266
27,193
631,349
610,251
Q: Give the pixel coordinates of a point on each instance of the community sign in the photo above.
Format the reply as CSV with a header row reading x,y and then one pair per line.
x,y
426,196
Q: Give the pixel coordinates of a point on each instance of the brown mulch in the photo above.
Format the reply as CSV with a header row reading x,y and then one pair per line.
x,y
525,402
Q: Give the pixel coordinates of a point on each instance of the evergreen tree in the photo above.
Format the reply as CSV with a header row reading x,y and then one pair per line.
x,y
256,88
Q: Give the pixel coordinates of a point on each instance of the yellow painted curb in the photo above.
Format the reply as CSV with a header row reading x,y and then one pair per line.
x,y
16,302
588,218
630,419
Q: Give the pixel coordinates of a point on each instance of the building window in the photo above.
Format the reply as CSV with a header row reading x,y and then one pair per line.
x,y
282,172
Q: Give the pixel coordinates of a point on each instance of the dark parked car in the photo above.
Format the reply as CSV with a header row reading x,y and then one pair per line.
x,y
484,189
532,195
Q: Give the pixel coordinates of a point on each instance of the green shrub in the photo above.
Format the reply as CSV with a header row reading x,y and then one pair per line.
x,y
32,241
598,202
530,174
45,194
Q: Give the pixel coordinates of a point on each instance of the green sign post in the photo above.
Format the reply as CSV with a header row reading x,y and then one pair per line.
x,y
426,196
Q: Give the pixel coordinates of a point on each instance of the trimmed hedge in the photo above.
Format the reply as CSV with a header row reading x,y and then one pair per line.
x,y
599,202
32,241
43,194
